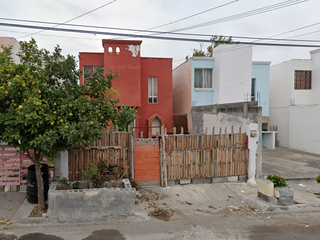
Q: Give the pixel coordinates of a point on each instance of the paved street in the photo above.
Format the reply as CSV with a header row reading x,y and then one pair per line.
x,y
222,225
291,164
197,211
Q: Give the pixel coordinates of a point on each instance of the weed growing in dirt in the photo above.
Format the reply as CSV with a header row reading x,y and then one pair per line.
x,y
318,178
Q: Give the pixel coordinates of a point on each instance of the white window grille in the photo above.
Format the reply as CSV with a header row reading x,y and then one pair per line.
x,y
153,90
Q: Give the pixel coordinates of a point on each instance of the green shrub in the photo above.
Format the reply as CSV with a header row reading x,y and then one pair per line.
x,y
318,179
277,180
75,185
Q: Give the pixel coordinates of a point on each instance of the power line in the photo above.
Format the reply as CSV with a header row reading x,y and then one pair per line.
x,y
193,15
297,29
59,36
305,34
101,27
149,37
58,24
257,11
169,33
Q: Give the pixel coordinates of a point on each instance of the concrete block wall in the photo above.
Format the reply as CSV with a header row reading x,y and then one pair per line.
x,y
267,192
90,203
240,178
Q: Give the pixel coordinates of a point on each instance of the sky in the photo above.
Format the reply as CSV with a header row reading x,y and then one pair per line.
x,y
236,18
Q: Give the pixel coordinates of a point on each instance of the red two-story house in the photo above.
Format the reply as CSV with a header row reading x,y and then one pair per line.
x,y
143,82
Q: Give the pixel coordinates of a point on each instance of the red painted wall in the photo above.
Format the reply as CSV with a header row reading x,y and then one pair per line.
x,y
90,59
133,79
161,68
127,61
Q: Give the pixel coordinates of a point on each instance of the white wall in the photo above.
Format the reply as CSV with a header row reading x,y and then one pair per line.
x,y
10,41
282,95
232,73
315,56
301,96
304,128
279,100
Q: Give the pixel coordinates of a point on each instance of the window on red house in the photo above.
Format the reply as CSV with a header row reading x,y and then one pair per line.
x,y
90,70
153,90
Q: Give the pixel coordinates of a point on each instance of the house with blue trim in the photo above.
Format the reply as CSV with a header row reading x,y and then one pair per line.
x,y
230,76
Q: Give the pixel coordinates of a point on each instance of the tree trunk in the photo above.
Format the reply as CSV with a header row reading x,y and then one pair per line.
x,y
41,203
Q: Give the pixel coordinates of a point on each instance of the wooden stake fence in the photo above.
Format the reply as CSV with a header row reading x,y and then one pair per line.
x,y
113,148
205,156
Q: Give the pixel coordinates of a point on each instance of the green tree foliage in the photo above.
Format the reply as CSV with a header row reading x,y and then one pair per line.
x,y
216,41
43,108
125,116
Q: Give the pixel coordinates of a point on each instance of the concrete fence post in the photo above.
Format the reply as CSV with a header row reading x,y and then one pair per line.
x,y
252,144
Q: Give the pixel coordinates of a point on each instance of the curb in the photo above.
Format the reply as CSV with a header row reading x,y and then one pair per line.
x,y
300,179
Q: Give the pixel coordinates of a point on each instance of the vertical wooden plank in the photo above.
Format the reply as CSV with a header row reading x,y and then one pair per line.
x,y
81,154
122,147
131,152
173,156
168,164
212,163
218,159
181,165
222,162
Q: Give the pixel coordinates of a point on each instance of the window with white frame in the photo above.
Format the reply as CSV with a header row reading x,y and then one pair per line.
x,y
153,90
90,70
203,78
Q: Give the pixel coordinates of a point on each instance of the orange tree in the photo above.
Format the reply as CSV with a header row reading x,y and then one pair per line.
x,y
43,108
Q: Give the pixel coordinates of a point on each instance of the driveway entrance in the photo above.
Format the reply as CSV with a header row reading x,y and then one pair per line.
x,y
291,164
